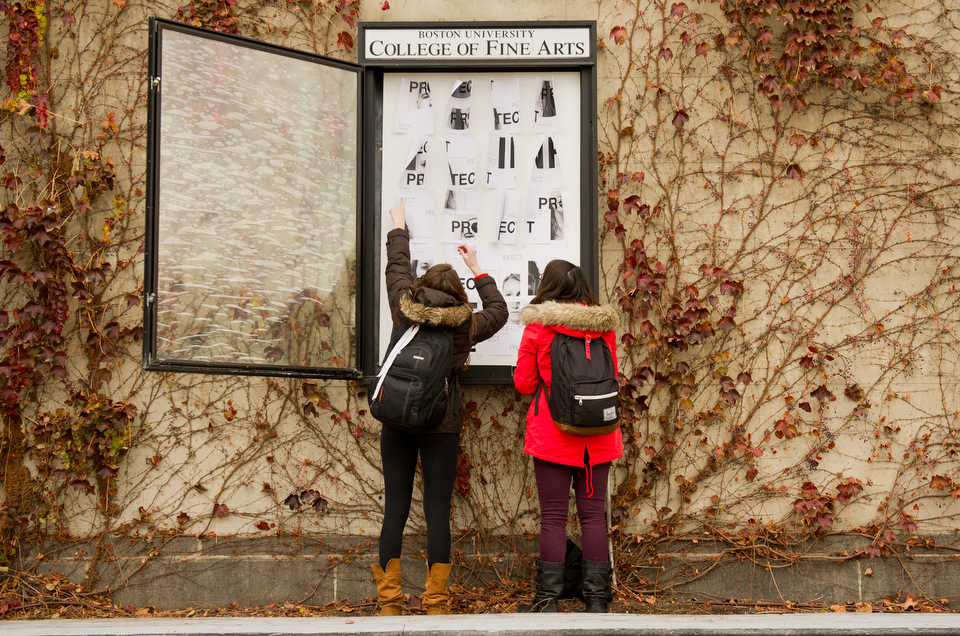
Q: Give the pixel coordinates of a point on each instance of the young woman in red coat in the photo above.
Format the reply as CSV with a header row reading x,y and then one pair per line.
x,y
566,304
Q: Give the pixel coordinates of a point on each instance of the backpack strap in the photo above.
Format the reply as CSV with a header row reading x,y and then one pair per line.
x,y
401,343
541,388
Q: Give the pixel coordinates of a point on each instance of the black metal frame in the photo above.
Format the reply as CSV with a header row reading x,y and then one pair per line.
x,y
151,264
372,161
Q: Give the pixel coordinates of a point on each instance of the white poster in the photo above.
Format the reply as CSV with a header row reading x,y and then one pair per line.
x,y
545,107
505,99
421,213
506,265
502,162
414,171
546,166
458,106
414,107
462,161
506,220
505,342
459,222
544,222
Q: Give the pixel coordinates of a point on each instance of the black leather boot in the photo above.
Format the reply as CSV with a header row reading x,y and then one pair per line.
x,y
597,593
549,585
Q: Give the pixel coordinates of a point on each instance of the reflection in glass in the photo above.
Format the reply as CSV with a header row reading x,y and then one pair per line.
x,y
257,207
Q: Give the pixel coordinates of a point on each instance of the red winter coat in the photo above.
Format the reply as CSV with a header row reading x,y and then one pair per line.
x,y
543,439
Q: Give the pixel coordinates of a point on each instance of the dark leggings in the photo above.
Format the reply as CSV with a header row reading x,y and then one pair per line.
x,y
438,453
553,490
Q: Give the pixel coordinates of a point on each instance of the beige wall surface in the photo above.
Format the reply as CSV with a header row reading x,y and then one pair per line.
x,y
842,348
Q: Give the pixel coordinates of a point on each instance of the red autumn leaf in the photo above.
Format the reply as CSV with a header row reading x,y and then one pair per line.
x,y
631,204
823,394
680,118
805,406
702,49
618,34
933,93
725,324
797,140
678,9
220,510
794,171
744,378
262,525
666,54
385,6
344,41
732,396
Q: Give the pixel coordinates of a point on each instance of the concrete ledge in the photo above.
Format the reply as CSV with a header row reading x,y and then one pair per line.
x,y
181,572
510,625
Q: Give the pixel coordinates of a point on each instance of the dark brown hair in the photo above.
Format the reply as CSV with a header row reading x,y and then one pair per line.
x,y
564,282
444,278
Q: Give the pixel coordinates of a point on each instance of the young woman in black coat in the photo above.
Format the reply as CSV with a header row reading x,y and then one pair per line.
x,y
437,298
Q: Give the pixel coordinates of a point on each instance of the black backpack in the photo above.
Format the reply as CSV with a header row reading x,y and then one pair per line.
x,y
414,382
584,392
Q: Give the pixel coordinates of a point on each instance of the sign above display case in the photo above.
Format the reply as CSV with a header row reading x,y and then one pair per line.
x,y
469,43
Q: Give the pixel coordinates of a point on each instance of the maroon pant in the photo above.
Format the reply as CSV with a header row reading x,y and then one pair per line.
x,y
553,490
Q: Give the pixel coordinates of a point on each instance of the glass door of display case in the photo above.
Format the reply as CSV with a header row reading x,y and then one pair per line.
x,y
253,208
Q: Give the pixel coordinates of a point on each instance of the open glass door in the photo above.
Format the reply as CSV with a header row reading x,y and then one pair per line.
x,y
252,208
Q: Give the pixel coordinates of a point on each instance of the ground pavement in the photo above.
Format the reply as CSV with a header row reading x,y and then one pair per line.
x,y
564,624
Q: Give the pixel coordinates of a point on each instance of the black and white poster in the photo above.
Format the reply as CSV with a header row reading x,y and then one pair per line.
x,y
458,106
502,162
506,218
462,161
505,97
414,107
545,107
414,172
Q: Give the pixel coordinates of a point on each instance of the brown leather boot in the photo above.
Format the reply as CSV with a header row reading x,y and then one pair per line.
x,y
435,597
389,592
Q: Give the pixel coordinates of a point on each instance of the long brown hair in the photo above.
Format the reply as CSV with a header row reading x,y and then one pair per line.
x,y
444,278
564,282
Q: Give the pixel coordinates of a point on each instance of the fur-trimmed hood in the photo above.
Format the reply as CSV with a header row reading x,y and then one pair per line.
x,y
572,316
435,308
